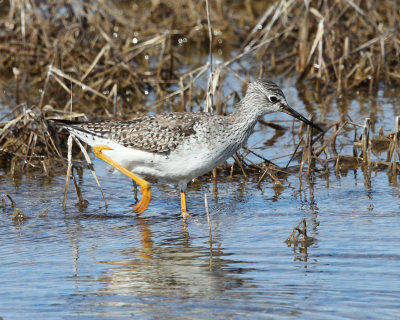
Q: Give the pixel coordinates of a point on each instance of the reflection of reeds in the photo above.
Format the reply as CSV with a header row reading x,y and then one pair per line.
x,y
299,238
3,201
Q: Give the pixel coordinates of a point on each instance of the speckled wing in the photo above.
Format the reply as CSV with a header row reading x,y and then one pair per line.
x,y
158,134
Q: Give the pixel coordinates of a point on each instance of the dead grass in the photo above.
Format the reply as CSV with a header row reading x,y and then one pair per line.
x,y
120,60
342,44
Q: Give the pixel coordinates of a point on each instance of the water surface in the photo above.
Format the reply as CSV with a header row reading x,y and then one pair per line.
x,y
86,263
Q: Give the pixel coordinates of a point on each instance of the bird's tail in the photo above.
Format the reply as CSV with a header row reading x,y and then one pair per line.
x,y
63,123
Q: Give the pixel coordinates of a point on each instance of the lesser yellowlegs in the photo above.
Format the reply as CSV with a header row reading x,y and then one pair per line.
x,y
179,146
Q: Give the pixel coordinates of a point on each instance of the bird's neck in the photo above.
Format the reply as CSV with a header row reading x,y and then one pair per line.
x,y
243,120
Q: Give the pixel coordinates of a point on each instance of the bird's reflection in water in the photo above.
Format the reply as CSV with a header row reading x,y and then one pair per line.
x,y
147,242
171,266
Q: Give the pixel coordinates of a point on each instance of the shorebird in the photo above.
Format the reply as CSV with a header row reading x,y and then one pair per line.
x,y
179,146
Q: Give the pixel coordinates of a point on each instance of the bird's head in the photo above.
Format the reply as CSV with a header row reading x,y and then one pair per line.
x,y
268,97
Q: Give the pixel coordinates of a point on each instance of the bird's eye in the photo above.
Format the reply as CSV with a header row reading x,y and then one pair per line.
x,y
273,99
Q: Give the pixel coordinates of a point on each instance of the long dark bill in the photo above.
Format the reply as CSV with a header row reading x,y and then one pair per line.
x,y
294,113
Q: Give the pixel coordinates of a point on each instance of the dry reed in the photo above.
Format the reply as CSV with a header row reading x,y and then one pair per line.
x,y
104,60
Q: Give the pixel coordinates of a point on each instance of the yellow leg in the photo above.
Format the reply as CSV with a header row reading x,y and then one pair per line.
x,y
183,205
144,185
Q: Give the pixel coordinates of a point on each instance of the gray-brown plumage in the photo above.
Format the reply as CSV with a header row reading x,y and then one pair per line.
x,y
164,132
158,134
181,146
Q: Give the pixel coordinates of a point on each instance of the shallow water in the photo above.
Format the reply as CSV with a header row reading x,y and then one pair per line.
x,y
154,266
86,263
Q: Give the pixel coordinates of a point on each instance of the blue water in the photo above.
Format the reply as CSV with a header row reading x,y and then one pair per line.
x,y
84,262
87,263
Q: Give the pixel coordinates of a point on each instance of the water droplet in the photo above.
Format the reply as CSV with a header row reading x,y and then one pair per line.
x,y
146,56
217,32
115,35
135,40
146,93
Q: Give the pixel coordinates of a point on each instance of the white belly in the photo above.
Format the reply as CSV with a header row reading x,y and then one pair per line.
x,y
180,165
